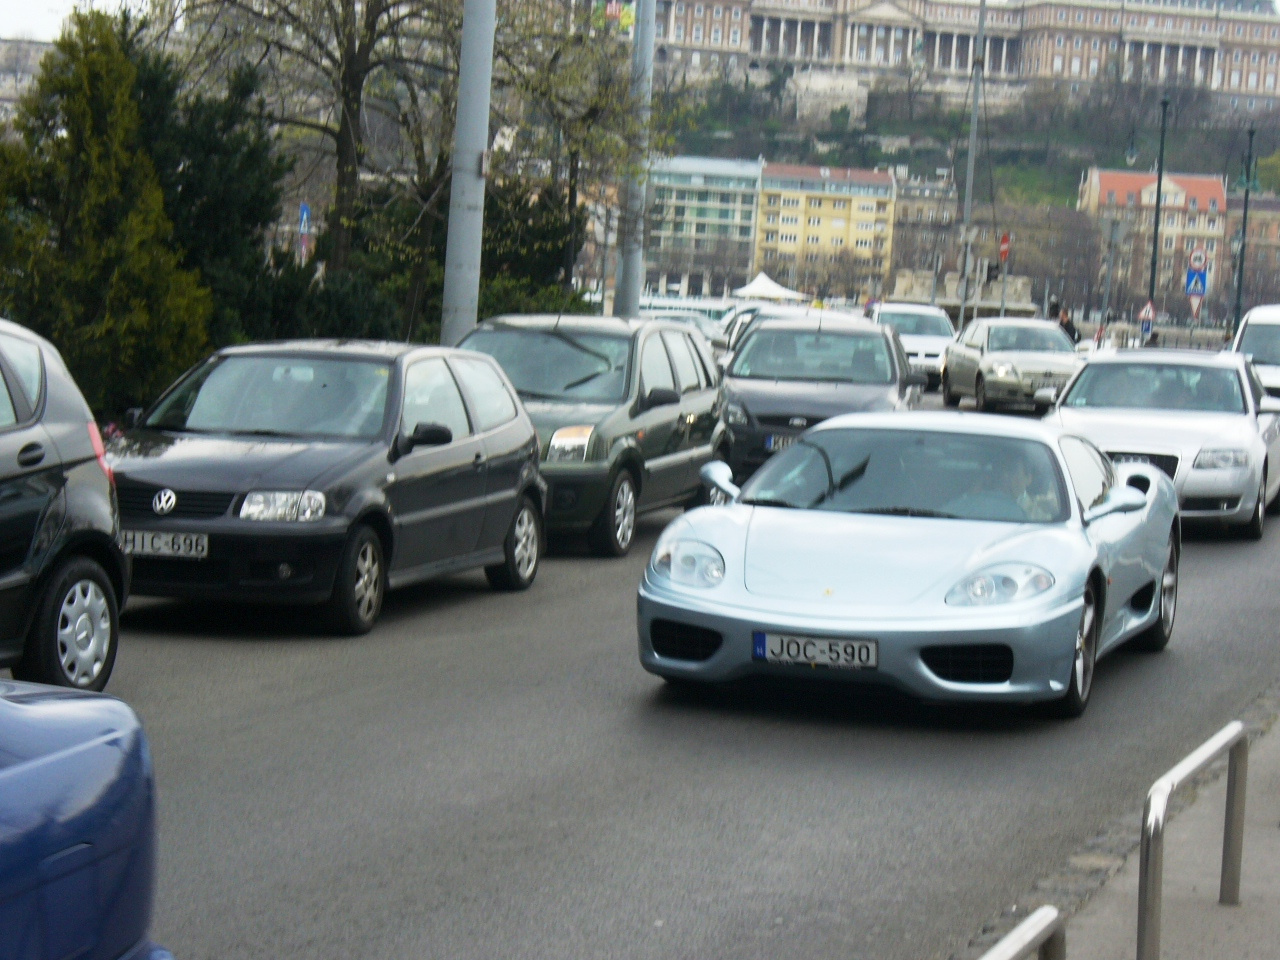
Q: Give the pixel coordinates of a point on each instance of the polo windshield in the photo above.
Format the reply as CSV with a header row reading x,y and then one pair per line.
x,y
570,365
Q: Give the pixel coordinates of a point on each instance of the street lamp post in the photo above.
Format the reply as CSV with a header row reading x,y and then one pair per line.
x,y
1244,232
1155,232
626,301
976,51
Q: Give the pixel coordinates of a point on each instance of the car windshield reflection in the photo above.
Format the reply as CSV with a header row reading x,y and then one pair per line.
x,y
1262,342
279,396
807,355
578,366
918,324
1038,339
1158,386
915,473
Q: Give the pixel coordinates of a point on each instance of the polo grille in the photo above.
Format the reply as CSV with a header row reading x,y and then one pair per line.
x,y
1166,462
970,663
683,641
135,503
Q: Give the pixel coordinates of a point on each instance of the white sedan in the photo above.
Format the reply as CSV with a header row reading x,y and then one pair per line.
x,y
1204,419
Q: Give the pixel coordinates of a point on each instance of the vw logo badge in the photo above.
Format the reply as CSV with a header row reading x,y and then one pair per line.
x,y
798,422
164,502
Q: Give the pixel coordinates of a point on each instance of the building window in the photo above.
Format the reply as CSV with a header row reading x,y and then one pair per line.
x,y
788,238
715,34
815,221
735,37
737,13
697,33
772,200
791,201
1213,208
791,221
698,10
771,218
679,31
717,12
837,241
770,237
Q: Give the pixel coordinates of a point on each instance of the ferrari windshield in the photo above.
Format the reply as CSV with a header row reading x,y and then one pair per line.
x,y
782,354
1158,386
1262,340
1045,339
570,365
279,395
915,473
917,324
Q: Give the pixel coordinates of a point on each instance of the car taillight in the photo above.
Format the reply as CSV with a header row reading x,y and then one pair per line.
x,y
100,452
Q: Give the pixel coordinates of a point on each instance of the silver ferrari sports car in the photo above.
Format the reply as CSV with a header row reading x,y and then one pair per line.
x,y
956,556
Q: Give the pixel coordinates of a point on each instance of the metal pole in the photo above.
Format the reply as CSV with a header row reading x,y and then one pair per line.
x,y
976,62
1004,285
1233,833
626,300
1155,232
1151,873
1111,267
1244,232
470,154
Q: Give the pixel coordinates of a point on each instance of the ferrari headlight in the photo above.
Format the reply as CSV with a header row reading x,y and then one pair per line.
x,y
1004,371
735,414
1224,459
690,563
569,444
1001,583
300,505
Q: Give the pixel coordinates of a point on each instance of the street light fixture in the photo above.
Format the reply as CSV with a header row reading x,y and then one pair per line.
x,y
1244,233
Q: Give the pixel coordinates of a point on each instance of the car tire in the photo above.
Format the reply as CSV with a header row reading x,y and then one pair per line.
x,y
360,585
73,638
1073,703
522,550
1256,525
1156,637
949,399
980,395
615,528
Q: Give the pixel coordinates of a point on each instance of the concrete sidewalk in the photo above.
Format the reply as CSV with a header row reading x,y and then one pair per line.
x,y
1194,926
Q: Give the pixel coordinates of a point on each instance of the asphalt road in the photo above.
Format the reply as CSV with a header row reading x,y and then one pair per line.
x,y
493,775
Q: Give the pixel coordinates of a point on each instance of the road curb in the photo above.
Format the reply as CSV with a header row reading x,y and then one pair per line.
x,y
1088,869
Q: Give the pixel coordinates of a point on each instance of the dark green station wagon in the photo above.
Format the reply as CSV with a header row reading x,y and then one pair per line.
x,y
627,413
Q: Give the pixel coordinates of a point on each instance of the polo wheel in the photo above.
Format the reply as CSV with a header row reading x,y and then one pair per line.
x,y
522,550
360,585
615,528
76,630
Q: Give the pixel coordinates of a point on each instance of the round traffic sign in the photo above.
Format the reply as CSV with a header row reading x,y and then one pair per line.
x,y
1004,248
1198,259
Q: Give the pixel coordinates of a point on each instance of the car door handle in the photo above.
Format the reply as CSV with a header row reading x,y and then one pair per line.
x,y
477,461
30,455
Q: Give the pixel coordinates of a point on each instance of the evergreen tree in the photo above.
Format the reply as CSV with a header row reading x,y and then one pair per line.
x,y
86,257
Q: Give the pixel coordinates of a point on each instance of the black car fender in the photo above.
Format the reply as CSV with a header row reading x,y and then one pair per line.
x,y
626,453
369,506
533,485
98,547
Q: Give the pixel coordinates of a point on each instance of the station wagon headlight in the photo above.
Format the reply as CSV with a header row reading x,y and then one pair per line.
x,y
569,444
1004,371
1224,459
690,563
1001,583
300,505
735,415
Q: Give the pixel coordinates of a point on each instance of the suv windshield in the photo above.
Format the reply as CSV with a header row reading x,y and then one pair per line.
x,y
1157,386
915,473
814,355
569,365
279,395
918,324
1262,340
1046,338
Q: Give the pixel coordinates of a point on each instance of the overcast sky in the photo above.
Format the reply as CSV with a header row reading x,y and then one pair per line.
x,y
41,19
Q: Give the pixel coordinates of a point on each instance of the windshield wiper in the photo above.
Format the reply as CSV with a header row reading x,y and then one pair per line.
x,y
587,379
769,502
536,395
909,512
576,345
263,433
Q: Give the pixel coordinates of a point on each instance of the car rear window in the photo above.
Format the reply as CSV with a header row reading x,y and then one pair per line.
x,y
781,354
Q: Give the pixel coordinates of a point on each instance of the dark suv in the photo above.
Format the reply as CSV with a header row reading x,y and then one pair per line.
x,y
326,472
626,412
63,577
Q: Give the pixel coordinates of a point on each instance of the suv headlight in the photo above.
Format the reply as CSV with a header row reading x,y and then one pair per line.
x,y
1005,371
300,505
569,444
1000,583
735,414
1221,459
690,563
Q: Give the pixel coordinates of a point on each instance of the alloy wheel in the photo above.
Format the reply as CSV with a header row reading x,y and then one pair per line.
x,y
368,586
526,543
624,514
1086,641
1169,591
84,632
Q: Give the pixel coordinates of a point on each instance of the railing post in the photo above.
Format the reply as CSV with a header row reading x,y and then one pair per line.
x,y
1151,872
1233,833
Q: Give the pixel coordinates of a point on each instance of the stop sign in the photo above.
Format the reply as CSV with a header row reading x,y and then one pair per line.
x,y
1004,247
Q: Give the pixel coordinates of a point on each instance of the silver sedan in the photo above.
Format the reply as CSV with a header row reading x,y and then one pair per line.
x,y
1000,361
1202,418
955,556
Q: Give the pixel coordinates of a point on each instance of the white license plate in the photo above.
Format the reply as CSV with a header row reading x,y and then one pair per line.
x,y
776,441
159,543
815,651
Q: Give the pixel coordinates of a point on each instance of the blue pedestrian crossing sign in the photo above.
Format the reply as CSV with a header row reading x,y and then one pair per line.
x,y
1196,283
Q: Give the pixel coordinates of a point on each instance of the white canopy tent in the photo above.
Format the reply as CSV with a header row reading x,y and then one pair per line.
x,y
764,288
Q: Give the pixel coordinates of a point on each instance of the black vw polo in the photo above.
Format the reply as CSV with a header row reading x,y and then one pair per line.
x,y
327,472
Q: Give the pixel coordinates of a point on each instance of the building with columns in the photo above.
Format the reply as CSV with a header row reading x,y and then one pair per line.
x,y
1229,48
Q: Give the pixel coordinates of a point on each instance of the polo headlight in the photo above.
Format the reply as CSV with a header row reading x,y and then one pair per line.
x,y
1004,371
690,563
1222,459
1001,583
301,505
735,415
569,444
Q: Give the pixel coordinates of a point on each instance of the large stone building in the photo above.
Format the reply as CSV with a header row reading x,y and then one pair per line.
x,y
19,65
1229,48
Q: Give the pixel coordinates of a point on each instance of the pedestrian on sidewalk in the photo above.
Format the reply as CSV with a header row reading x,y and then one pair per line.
x,y
1069,328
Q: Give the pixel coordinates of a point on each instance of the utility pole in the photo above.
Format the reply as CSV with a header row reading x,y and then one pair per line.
x,y
626,299
1155,231
470,166
976,61
1113,227
1244,232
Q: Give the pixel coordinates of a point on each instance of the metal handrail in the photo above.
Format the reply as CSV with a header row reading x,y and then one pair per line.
x,y
1151,866
1044,932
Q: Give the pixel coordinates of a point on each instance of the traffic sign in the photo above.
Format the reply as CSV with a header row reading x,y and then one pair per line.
x,y
1197,283
1004,248
1198,260
1196,300
1148,313
304,218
